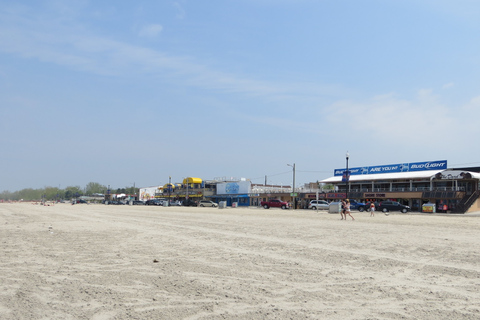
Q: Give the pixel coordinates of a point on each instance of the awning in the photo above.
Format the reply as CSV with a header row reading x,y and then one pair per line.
x,y
452,174
385,176
192,180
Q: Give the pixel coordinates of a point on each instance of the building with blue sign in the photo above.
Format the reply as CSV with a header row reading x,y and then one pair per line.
x,y
233,192
412,184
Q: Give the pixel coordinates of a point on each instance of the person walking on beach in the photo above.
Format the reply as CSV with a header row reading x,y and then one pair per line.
x,y
372,209
342,213
347,210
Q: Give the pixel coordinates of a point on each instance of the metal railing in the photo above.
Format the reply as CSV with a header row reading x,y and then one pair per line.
x,y
313,190
260,189
418,189
467,202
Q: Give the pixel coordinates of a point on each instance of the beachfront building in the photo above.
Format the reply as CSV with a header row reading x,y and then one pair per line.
x,y
233,192
243,193
190,188
454,190
265,192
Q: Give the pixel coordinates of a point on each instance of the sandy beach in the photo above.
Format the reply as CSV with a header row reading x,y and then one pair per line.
x,y
141,262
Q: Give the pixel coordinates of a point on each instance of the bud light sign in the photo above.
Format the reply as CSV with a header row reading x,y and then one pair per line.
x,y
393,168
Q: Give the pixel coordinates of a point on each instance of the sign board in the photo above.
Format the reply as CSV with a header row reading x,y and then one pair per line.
x,y
428,207
393,168
374,195
336,195
148,193
238,187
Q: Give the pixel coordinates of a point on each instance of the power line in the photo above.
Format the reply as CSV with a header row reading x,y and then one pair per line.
x,y
288,172
271,175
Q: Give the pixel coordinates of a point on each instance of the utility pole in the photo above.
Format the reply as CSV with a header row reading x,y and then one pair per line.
x,y
293,188
347,176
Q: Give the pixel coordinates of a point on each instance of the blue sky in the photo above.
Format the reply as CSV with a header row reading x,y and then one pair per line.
x,y
123,92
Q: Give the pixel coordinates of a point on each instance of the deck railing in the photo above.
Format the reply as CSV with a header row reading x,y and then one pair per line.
x,y
414,189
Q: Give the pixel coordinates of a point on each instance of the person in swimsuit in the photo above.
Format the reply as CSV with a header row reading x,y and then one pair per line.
x,y
347,210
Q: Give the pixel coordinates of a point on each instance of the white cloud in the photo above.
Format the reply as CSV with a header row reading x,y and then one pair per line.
x,y
150,31
472,109
448,85
390,120
180,10
72,45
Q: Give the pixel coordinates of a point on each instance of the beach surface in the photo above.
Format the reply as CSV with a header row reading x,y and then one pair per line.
x,y
141,262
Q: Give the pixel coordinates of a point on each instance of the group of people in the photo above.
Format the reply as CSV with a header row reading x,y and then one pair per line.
x,y
346,210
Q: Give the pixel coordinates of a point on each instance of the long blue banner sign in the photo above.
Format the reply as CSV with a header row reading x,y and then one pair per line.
x,y
392,168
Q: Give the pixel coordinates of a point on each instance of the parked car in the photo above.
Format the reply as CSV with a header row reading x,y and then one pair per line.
x,y
189,203
355,205
175,203
275,203
154,202
207,203
318,204
386,206
138,203
115,202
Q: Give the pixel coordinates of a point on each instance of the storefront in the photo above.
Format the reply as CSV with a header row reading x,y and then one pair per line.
x,y
412,184
241,200
237,192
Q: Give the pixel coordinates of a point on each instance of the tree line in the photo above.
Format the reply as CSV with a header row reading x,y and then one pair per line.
x,y
72,192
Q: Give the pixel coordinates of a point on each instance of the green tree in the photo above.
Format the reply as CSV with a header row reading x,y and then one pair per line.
x,y
94,187
120,190
328,187
53,193
73,192
7,195
30,194
132,190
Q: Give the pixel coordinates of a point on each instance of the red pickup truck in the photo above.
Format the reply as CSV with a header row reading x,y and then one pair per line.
x,y
275,203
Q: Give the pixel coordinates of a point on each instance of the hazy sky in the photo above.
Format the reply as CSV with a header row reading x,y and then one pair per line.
x,y
124,92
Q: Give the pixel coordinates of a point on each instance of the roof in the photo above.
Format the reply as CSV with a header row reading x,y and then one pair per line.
x,y
386,176
459,174
192,180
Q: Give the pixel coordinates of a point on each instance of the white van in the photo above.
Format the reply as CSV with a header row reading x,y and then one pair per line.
x,y
318,204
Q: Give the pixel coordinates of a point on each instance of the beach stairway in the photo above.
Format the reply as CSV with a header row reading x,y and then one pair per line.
x,y
467,202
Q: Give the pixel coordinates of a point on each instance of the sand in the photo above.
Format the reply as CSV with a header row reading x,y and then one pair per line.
x,y
141,262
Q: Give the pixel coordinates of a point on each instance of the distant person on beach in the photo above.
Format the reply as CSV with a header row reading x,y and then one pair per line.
x,y
347,209
372,209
